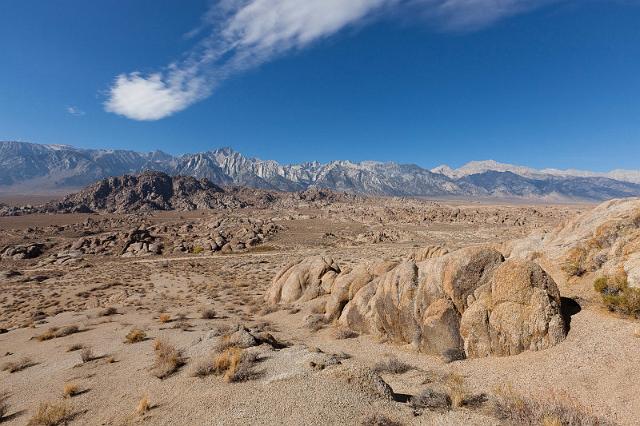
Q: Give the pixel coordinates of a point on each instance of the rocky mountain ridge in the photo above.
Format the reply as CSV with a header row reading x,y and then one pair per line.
x,y
31,168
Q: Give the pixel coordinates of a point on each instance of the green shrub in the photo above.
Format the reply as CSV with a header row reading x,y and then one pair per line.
x,y
601,284
618,296
197,250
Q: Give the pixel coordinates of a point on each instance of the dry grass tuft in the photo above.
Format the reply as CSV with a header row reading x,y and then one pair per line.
x,y
429,399
182,325
70,390
202,368
550,408
86,355
135,335
51,414
19,365
169,359
75,347
344,333
164,318
456,389
315,322
379,420
208,313
575,262
108,312
47,335
235,364
54,332
392,366
143,405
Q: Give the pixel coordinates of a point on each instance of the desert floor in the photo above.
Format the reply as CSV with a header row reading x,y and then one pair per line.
x,y
166,295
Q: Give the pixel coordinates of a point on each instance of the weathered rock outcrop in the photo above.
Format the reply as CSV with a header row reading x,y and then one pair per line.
x,y
604,240
421,303
22,251
470,301
518,311
428,252
347,284
303,281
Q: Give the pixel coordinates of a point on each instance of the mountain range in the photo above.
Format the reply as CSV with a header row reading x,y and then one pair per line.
x,y
32,168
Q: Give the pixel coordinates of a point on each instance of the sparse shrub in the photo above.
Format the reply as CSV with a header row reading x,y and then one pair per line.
x,y
456,389
75,347
575,262
235,364
618,296
429,399
164,318
108,312
269,309
208,313
344,333
18,365
51,414
143,405
135,335
67,330
86,355
70,390
224,343
550,408
220,330
315,322
47,335
379,420
202,368
54,332
182,325
168,359
392,366
600,284
197,250
451,355
262,248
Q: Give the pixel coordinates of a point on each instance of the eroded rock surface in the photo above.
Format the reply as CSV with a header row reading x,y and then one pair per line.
x,y
303,281
471,300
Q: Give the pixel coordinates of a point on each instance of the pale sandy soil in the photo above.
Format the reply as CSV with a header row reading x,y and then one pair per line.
x,y
596,364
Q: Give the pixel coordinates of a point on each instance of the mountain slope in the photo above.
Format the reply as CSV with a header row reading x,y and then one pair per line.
x,y
476,167
30,168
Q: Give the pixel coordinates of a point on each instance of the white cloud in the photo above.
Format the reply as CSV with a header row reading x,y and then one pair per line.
x,y
74,110
242,34
155,96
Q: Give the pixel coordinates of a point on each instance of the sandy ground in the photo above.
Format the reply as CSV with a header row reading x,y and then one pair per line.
x,y
596,364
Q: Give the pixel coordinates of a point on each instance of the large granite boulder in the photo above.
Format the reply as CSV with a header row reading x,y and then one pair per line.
x,y
303,281
470,302
422,303
519,311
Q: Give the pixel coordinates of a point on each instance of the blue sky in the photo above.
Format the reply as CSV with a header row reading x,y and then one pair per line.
x,y
541,83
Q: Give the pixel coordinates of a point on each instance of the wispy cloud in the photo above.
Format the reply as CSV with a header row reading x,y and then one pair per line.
x,y
74,110
241,34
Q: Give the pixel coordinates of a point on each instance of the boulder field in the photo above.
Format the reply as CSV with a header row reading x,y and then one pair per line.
x,y
468,303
